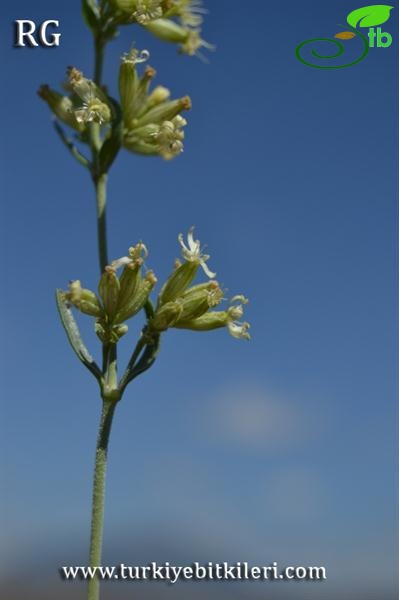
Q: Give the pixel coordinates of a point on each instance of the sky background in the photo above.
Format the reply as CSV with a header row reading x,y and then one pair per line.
x,y
278,449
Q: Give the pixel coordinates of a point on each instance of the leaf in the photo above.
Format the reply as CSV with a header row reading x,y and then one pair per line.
x,y
345,35
368,16
91,13
73,334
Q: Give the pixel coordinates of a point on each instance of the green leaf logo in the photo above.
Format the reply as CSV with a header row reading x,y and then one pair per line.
x,y
368,16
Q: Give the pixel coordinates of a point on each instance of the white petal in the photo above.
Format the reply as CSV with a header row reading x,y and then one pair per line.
x,y
194,245
207,272
121,262
182,244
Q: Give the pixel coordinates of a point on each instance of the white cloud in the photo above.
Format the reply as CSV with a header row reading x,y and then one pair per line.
x,y
252,418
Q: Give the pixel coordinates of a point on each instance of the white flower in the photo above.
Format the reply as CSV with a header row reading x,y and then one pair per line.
x,y
236,328
193,43
136,253
135,57
239,330
192,252
170,137
93,108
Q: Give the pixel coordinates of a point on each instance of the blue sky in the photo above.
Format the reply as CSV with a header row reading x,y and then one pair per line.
x,y
278,449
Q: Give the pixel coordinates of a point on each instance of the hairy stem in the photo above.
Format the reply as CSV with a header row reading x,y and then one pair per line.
x,y
97,515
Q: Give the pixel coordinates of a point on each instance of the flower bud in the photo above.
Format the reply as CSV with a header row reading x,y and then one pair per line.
x,y
127,89
158,95
166,316
137,301
83,299
109,291
129,281
217,319
207,322
165,111
197,300
61,106
178,282
167,30
140,100
189,39
101,332
117,332
132,90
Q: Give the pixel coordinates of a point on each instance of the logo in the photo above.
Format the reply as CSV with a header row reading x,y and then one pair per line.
x,y
369,17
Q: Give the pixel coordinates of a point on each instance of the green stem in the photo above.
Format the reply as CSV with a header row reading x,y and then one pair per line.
x,y
99,47
109,388
101,201
97,515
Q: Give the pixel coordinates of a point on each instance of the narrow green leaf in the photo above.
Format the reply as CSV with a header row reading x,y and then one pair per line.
x,y
73,334
369,16
91,13
71,146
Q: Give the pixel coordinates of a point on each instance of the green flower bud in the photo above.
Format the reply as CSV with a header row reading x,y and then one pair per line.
x,y
137,301
166,316
217,319
83,299
117,332
140,101
101,331
164,112
133,144
197,300
129,282
132,90
178,282
108,289
168,31
127,89
61,106
207,322
189,39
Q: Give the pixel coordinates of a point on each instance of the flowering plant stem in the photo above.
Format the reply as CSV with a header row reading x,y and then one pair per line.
x,y
97,515
109,352
148,123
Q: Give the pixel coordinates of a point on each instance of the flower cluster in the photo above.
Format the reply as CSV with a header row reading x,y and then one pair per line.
x,y
176,21
180,304
119,298
152,123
